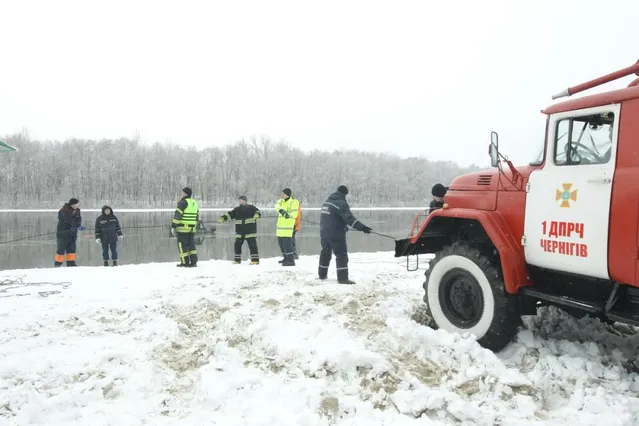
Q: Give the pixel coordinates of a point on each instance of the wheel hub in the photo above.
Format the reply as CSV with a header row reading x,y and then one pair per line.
x,y
461,298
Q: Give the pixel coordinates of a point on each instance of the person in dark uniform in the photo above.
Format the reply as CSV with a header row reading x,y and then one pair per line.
x,y
245,216
438,192
335,218
184,225
69,222
107,233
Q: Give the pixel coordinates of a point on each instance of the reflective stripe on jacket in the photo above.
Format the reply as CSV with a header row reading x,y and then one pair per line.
x,y
186,216
285,226
245,217
336,217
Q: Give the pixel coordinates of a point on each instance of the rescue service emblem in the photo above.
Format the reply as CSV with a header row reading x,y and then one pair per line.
x,y
566,195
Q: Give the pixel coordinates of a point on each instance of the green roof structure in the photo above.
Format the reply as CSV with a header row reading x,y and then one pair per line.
x,y
5,147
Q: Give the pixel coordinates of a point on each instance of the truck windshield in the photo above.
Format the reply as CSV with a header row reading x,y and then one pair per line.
x,y
539,158
541,145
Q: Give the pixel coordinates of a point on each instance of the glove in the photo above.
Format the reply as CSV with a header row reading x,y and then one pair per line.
x,y
81,228
366,230
283,213
220,220
120,237
97,240
173,231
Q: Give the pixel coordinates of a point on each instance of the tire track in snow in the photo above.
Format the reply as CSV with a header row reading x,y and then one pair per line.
x,y
187,351
441,386
409,368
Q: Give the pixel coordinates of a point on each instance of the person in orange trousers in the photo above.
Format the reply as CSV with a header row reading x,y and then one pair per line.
x,y
69,222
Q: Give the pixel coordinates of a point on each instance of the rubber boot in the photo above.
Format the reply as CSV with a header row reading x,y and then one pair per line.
x,y
342,277
289,261
322,273
115,263
106,263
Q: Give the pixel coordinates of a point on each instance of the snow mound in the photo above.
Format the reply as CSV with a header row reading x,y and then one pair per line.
x,y
266,345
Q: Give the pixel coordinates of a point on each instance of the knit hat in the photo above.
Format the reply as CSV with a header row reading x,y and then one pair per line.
x,y
438,190
287,191
73,201
343,189
188,191
242,197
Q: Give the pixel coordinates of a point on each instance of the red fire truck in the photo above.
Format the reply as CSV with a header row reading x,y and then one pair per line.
x,y
562,230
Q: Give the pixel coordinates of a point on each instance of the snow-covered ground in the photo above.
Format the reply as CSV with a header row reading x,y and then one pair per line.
x,y
265,345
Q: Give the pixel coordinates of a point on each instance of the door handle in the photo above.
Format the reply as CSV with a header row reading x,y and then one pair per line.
x,y
600,180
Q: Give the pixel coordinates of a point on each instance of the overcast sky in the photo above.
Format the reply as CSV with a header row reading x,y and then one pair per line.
x,y
408,77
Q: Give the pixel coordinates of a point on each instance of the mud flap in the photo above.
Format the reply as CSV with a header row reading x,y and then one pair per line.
x,y
401,246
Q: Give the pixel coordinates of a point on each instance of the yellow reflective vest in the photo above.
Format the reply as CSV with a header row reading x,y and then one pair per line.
x,y
286,226
186,216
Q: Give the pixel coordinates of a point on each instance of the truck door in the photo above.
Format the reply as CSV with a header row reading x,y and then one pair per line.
x,y
568,200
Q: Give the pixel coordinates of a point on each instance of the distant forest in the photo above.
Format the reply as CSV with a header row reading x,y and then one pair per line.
x,y
130,174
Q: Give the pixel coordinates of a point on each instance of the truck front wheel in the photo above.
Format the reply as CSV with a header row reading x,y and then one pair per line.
x,y
465,293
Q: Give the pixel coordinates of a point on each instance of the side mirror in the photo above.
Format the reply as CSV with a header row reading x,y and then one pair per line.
x,y
493,149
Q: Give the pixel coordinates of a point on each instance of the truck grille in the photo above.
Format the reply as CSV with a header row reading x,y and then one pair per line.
x,y
484,179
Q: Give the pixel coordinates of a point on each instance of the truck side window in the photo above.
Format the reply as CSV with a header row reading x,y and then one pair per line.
x,y
584,140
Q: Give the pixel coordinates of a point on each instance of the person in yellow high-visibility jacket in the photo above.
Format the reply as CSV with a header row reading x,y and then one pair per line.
x,y
287,210
183,226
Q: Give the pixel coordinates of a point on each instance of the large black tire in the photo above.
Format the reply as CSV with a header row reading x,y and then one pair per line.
x,y
464,293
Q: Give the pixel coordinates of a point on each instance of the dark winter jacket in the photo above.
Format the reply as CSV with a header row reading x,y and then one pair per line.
x,y
336,216
245,217
107,227
434,205
69,221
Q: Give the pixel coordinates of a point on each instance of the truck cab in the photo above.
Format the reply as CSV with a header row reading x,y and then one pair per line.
x,y
562,230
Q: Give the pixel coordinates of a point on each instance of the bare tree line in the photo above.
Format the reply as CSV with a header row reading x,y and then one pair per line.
x,y
128,173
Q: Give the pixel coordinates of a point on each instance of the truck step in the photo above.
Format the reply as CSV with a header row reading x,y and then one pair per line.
x,y
627,317
548,295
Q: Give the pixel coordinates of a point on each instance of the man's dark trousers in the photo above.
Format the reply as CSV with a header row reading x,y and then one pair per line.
x,y
106,245
252,243
286,246
186,246
337,246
